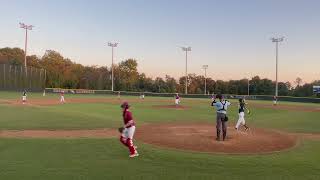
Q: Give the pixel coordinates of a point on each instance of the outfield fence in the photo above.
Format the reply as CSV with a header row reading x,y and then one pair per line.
x,y
14,77
228,96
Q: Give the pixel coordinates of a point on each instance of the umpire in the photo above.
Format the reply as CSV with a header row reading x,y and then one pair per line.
x,y
221,106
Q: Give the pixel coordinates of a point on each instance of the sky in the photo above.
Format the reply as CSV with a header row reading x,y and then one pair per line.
x,y
232,37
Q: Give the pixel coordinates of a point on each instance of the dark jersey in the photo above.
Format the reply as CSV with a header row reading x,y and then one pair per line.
x,y
24,93
242,106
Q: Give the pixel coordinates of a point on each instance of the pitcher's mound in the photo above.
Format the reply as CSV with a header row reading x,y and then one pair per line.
x,y
201,137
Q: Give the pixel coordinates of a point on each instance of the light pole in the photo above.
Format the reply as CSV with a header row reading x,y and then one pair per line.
x,y
248,87
277,40
186,49
112,45
26,27
205,67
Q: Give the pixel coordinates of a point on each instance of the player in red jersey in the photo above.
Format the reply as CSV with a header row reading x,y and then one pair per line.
x,y
126,137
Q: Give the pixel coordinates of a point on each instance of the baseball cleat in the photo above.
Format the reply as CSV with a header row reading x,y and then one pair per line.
x,y
134,155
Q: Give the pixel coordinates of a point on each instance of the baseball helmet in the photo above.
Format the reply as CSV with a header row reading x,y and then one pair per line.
x,y
125,105
219,96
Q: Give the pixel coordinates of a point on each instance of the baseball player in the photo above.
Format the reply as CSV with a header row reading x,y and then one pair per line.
x,y
142,96
221,106
177,99
24,96
242,108
275,100
212,97
118,94
127,131
62,97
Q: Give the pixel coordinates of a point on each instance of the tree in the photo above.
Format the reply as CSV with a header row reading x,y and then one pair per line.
x,y
298,81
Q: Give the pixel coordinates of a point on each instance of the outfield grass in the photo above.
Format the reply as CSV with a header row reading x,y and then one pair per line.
x,y
106,159
68,159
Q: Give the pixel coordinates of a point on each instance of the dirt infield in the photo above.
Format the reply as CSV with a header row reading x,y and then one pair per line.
x,y
198,137
201,137
179,107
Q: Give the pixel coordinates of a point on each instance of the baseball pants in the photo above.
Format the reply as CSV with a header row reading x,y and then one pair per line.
x,y
126,138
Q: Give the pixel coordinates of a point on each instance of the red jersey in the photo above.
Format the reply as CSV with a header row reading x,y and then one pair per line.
x,y
127,118
177,97
61,93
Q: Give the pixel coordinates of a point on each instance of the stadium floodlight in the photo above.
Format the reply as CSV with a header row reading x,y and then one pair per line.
x,y
26,27
112,45
277,40
205,67
186,49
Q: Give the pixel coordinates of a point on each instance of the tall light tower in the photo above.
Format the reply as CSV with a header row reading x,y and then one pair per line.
x,y
277,41
205,67
248,87
186,49
112,45
26,27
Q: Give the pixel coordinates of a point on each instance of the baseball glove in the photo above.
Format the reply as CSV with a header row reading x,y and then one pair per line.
x,y
120,129
248,111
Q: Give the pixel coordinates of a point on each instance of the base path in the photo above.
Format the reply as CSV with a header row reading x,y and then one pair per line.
x,y
201,137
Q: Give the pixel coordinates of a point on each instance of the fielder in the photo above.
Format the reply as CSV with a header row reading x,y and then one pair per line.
x,y
142,96
62,97
275,100
242,108
127,131
222,118
177,99
24,97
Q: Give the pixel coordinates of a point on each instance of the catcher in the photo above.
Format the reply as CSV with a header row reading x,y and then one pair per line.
x,y
242,108
127,131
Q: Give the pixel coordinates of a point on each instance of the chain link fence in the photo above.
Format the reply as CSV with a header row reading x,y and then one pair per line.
x,y
14,77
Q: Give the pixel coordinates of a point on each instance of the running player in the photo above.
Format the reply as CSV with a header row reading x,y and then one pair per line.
x,y
177,99
242,108
24,97
126,137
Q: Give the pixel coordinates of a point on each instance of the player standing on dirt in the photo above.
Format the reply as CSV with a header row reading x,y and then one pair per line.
x,y
275,100
242,108
221,106
62,97
177,99
24,96
127,131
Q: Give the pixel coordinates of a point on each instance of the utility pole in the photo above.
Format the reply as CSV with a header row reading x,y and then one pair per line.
x,y
26,27
112,45
277,41
186,49
205,67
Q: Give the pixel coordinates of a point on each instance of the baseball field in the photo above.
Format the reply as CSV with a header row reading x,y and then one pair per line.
x,y
44,139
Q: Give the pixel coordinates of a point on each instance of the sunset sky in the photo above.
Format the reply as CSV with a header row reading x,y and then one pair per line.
x,y
232,36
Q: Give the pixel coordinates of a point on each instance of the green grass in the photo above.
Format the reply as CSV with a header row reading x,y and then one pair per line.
x,y
102,115
107,159
95,159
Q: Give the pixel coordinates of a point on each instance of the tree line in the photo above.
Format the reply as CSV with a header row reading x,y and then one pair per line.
x,y
64,73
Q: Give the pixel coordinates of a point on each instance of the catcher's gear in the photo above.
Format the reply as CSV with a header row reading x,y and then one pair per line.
x,y
120,129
